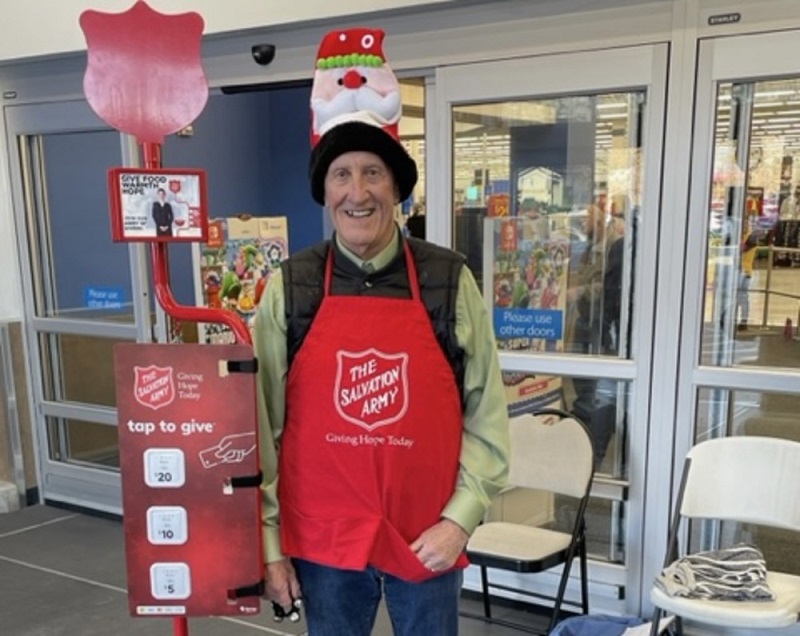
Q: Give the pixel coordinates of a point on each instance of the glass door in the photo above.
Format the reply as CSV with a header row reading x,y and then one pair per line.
x,y
82,295
553,165
740,359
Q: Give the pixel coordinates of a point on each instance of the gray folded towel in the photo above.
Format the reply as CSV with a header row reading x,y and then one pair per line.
x,y
738,573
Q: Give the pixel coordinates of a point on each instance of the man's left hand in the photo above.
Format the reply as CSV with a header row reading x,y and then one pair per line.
x,y
439,546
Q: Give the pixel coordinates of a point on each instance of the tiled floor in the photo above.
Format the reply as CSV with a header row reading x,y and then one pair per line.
x,y
63,574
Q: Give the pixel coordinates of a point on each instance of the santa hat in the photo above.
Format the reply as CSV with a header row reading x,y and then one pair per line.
x,y
353,47
358,130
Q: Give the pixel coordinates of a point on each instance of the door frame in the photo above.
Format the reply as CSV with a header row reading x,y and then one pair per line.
x,y
741,58
562,74
83,486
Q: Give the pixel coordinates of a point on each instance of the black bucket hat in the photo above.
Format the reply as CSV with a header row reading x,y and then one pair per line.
x,y
359,136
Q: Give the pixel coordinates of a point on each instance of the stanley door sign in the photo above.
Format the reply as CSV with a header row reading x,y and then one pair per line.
x,y
189,464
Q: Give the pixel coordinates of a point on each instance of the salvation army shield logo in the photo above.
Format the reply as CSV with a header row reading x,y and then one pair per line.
x,y
144,73
153,386
371,388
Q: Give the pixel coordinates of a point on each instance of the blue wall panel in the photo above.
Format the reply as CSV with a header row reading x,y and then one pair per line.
x,y
83,254
227,145
288,192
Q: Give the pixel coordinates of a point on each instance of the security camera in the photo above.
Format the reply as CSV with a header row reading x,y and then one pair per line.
x,y
263,54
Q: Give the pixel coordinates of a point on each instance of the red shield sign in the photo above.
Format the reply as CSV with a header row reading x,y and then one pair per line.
x,y
144,74
174,186
154,386
371,388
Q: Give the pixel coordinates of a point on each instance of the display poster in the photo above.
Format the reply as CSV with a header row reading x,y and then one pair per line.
x,y
498,205
234,266
754,203
525,276
158,204
189,465
527,282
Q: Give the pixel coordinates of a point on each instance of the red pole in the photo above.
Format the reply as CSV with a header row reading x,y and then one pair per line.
x,y
158,253
180,626
151,155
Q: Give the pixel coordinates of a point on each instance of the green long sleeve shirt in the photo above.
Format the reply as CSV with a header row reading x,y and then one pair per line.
x,y
483,464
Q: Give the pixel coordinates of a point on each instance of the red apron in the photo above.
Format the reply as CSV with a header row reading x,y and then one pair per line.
x,y
371,446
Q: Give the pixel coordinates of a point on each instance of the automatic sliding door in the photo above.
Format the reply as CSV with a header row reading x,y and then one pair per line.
x,y
83,294
740,371
554,200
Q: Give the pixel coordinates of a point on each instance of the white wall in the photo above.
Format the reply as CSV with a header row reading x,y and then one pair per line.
x,y
10,299
25,32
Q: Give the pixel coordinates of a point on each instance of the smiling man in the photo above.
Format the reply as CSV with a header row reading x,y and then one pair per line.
x,y
383,414
360,193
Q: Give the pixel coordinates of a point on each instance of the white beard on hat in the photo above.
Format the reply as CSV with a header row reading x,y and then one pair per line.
x,y
377,102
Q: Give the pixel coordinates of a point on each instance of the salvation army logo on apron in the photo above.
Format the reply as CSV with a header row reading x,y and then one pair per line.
x,y
371,388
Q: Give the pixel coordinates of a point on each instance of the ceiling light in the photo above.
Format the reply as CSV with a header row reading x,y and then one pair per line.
x,y
776,93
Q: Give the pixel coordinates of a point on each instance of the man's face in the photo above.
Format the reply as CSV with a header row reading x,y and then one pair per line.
x,y
161,196
360,194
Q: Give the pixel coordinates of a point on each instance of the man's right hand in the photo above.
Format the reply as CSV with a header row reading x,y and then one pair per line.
x,y
282,586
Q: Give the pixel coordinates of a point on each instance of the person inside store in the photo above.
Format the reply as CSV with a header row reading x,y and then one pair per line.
x,y
162,214
415,223
384,424
529,209
594,309
790,206
747,258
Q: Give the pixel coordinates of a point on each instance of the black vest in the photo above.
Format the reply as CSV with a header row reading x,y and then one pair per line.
x,y
438,270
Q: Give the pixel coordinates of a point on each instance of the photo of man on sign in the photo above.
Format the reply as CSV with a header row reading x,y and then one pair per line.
x,y
157,205
162,214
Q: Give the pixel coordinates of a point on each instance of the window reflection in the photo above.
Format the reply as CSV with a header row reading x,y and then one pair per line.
x,y
752,281
77,441
605,519
70,213
608,425
78,368
546,195
602,404
594,296
552,292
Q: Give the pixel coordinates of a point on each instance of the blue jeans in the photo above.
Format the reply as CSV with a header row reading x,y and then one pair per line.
x,y
345,602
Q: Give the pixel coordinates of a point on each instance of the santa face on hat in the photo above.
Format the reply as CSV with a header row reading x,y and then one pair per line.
x,y
353,82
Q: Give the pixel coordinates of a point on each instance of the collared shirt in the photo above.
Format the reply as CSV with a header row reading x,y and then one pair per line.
x,y
484,446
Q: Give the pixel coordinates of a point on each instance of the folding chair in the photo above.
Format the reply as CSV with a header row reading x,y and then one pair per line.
x,y
747,480
550,451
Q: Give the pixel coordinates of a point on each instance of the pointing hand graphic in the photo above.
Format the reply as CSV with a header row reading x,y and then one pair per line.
x,y
231,449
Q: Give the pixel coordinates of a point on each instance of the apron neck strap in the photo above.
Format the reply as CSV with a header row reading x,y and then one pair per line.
x,y
413,280
326,290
